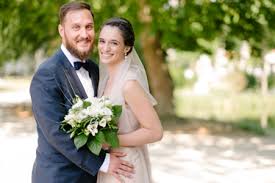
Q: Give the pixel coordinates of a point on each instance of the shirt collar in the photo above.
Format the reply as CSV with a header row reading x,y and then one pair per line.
x,y
69,56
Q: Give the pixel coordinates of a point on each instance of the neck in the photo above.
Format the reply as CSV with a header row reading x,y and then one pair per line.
x,y
112,69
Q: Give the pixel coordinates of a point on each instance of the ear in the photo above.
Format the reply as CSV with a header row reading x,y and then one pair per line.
x,y
126,49
61,30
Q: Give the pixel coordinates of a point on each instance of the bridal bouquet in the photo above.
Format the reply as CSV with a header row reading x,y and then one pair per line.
x,y
92,122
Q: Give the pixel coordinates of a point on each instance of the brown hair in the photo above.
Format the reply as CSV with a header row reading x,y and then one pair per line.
x,y
65,8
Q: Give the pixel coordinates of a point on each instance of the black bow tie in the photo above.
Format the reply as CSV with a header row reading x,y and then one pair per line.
x,y
78,65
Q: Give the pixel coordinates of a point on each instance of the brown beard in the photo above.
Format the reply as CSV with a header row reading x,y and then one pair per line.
x,y
75,52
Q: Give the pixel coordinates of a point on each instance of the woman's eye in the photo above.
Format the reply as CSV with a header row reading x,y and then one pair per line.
x,y
114,43
101,41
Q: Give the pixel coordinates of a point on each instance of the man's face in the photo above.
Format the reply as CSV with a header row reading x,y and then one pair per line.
x,y
77,32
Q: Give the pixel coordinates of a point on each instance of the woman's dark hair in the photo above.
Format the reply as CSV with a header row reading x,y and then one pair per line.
x,y
71,6
126,30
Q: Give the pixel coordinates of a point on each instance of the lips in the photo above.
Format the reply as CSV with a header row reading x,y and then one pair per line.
x,y
106,55
84,41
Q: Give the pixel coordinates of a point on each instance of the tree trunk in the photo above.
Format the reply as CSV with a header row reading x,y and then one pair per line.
x,y
158,75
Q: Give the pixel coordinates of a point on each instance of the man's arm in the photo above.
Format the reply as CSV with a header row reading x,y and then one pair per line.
x,y
49,111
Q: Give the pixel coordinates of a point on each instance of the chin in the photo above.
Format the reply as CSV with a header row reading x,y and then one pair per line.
x,y
107,61
104,61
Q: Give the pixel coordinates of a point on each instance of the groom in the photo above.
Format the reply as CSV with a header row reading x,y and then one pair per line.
x,y
56,82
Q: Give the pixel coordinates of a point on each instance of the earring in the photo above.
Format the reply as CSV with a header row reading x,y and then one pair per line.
x,y
125,56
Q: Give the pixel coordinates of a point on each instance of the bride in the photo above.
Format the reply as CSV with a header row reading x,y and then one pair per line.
x,y
123,79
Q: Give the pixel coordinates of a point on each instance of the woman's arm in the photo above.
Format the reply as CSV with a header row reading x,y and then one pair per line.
x,y
150,126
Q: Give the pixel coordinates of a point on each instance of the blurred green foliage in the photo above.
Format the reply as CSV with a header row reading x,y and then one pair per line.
x,y
27,25
180,61
244,109
251,125
252,81
271,81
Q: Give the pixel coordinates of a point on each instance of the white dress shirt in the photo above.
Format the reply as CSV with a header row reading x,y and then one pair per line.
x,y
82,73
87,84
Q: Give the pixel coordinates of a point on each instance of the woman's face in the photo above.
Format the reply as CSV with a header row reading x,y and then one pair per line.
x,y
111,45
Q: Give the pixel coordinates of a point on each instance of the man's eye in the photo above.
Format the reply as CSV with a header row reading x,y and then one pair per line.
x,y
75,27
90,27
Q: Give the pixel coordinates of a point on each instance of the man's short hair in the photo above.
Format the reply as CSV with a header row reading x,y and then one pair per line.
x,y
71,6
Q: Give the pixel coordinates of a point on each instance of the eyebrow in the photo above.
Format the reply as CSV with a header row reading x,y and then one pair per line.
x,y
112,40
78,23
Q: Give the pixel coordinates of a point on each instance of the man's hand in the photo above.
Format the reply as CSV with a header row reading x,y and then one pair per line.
x,y
106,146
119,167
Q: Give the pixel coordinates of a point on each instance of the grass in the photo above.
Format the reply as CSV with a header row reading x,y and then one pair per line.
x,y
244,110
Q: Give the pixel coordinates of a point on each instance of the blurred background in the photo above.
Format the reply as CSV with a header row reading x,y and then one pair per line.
x,y
210,64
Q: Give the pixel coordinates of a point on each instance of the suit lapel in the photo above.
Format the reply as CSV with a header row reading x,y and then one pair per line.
x,y
93,77
71,77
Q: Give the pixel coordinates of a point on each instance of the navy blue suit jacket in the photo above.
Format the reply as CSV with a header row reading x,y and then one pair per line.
x,y
57,160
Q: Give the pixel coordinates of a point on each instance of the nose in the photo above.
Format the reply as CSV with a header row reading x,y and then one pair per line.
x,y
105,47
83,33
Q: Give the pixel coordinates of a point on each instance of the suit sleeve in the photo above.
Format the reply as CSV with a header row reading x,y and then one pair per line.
x,y
49,111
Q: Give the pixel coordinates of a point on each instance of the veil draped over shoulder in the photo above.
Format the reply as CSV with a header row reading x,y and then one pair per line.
x,y
130,69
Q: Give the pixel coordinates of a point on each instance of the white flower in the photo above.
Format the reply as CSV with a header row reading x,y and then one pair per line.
x,y
93,128
106,111
69,117
81,115
92,111
102,122
72,123
107,118
78,104
103,98
92,100
107,102
86,132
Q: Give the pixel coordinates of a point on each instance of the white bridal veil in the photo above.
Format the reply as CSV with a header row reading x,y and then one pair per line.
x,y
130,69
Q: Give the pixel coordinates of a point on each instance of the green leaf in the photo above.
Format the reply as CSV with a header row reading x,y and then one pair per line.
x,y
64,126
73,133
76,99
80,140
117,109
94,146
86,104
100,137
111,138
